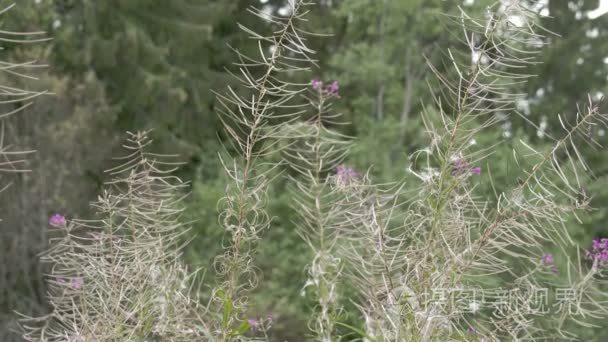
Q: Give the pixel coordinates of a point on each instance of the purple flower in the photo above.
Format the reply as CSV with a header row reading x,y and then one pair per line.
x,y
333,88
329,90
57,220
460,163
254,324
317,84
460,167
547,259
345,174
599,251
76,283
599,244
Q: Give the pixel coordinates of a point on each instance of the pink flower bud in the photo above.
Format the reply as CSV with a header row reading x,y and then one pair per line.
x,y
57,220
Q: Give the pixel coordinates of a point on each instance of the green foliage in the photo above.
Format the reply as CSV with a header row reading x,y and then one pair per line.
x,y
137,64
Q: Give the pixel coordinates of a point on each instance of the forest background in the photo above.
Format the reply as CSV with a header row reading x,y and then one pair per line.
x,y
127,65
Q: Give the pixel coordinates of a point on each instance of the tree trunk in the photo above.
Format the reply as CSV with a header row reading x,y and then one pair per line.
x,y
407,97
381,83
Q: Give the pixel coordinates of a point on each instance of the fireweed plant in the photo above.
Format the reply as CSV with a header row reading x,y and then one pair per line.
x,y
315,153
118,278
428,260
16,95
13,99
408,251
254,120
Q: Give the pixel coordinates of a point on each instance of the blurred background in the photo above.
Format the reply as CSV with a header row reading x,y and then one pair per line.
x,y
127,65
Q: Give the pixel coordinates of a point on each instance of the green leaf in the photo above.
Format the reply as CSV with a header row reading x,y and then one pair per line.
x,y
242,329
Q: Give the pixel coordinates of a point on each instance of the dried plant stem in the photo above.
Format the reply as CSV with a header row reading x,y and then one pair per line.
x,y
251,123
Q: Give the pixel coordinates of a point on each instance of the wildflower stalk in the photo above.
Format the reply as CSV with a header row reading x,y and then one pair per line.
x,y
11,160
518,226
251,122
119,277
449,238
372,253
17,94
324,269
315,152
